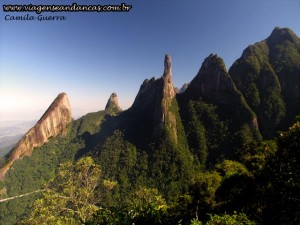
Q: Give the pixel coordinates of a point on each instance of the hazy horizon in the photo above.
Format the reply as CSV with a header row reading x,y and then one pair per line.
x,y
91,55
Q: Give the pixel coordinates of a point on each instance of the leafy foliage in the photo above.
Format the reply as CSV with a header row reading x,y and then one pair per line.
x,y
91,122
70,197
146,206
235,219
230,168
204,163
31,173
143,206
268,76
284,180
206,132
255,155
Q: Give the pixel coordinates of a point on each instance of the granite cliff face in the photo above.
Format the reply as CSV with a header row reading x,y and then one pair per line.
x,y
52,123
153,102
112,105
153,92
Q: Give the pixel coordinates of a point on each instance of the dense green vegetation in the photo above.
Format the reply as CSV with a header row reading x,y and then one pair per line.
x,y
261,185
70,197
201,161
31,173
261,188
268,76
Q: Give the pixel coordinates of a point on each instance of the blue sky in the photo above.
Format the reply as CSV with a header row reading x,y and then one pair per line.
x,y
91,55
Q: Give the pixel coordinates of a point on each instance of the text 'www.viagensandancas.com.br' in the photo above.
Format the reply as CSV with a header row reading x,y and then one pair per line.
x,y
39,9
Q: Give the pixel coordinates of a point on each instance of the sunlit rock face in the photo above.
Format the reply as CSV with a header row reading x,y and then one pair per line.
x,y
53,122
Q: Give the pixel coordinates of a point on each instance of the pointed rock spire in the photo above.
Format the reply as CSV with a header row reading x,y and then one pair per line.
x,y
168,68
153,102
61,103
169,90
53,122
280,35
113,104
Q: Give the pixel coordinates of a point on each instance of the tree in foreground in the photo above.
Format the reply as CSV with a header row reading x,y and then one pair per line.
x,y
225,219
235,219
284,180
70,197
142,207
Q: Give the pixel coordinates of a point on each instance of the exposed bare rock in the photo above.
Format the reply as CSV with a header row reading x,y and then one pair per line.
x,y
113,104
168,87
52,123
154,100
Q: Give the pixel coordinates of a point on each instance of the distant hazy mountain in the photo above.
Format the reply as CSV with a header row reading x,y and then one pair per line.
x,y
11,132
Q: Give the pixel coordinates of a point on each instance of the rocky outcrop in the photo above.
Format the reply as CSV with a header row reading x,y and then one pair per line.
x,y
153,102
112,105
52,123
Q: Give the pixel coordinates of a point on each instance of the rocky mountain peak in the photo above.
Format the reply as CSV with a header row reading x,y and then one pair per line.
x,y
168,89
280,35
53,122
211,78
61,103
156,89
113,103
168,68
154,100
213,61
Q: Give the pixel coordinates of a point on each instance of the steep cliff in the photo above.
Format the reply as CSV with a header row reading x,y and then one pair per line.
x,y
268,75
214,85
53,122
157,129
152,105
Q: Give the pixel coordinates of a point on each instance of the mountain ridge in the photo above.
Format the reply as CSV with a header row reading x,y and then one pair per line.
x,y
52,123
268,75
165,138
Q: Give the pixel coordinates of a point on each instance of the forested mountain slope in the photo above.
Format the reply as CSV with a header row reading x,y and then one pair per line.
x,y
172,157
268,75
